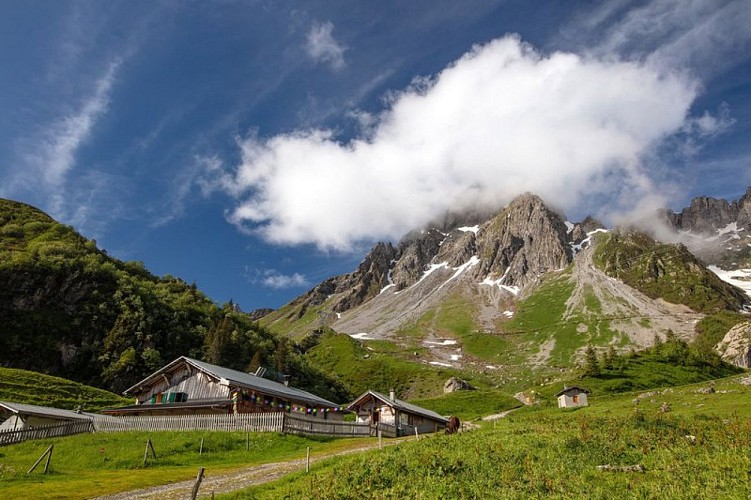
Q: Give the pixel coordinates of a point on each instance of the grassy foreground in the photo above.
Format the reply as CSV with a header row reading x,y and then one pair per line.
x,y
701,447
87,465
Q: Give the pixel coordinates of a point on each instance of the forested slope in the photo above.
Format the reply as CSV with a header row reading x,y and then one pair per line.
x,y
67,308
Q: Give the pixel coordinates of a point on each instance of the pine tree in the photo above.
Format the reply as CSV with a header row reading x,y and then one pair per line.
x,y
591,365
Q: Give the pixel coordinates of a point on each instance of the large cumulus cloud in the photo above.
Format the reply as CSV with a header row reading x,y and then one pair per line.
x,y
501,120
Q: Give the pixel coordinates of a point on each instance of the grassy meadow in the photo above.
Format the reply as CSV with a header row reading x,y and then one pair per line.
x,y
691,440
36,388
87,465
700,447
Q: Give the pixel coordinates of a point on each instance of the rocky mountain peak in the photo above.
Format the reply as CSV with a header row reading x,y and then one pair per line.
x,y
706,215
523,241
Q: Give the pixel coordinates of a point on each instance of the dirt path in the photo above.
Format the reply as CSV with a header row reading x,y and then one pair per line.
x,y
233,481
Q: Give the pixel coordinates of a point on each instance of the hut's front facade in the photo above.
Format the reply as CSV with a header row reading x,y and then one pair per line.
x,y
377,410
572,397
189,386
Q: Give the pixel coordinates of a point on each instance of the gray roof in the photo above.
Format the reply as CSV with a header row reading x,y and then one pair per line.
x,y
44,411
573,388
400,405
241,379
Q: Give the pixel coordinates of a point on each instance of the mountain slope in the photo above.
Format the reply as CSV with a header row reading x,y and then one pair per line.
x,y
520,290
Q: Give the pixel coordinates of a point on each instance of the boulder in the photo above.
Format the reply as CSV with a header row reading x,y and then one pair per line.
x,y
735,347
454,384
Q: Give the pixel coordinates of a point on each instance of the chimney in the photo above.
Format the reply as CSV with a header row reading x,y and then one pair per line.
x,y
286,380
392,395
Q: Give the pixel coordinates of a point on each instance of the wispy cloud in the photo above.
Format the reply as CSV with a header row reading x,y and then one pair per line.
x,y
322,47
702,36
51,153
272,278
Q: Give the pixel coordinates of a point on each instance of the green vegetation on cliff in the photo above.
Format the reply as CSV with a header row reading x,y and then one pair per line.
x,y
664,271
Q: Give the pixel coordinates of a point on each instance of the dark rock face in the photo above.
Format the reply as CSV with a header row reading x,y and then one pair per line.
x,y
525,240
707,215
580,230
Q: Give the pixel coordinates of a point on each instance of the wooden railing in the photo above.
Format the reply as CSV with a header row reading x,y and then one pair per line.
x,y
294,424
46,431
249,422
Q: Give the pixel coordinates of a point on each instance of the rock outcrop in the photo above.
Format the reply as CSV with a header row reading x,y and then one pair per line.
x,y
735,347
454,384
706,215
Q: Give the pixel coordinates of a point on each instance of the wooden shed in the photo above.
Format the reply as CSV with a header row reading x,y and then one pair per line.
x,y
394,416
572,397
188,386
19,416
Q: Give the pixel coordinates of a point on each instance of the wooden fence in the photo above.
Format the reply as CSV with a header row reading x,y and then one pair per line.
x,y
249,422
294,424
46,431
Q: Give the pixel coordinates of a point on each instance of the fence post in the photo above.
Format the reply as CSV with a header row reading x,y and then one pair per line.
x,y
47,453
380,446
146,451
49,457
199,478
200,451
416,434
307,460
247,441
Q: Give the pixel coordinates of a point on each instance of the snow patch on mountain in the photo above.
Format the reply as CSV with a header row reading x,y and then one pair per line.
x,y
586,241
361,336
469,229
740,278
473,261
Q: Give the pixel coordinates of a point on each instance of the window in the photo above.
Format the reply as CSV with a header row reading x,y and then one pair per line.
x,y
575,398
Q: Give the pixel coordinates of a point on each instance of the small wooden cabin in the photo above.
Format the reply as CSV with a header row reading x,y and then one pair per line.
x,y
187,386
19,416
572,397
387,412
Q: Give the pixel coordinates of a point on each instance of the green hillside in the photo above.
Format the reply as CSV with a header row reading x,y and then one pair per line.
x,y
22,386
665,271
67,308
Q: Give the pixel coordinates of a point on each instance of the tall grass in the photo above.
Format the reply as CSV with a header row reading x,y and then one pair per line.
x,y
548,453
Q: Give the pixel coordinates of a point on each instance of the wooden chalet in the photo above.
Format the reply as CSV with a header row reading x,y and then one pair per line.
x,y
572,397
187,386
395,415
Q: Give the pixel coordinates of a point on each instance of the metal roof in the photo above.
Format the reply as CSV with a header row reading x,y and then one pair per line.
x,y
400,405
241,379
573,388
44,411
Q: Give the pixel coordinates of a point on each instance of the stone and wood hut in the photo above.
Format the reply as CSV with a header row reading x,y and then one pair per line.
x,y
394,416
572,397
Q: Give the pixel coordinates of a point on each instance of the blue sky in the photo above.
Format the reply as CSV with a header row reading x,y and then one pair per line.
x,y
259,147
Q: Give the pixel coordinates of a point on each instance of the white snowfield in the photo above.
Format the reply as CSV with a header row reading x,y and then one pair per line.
x,y
740,277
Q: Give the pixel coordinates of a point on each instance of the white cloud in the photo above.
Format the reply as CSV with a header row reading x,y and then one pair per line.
x,y
322,47
274,279
501,120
